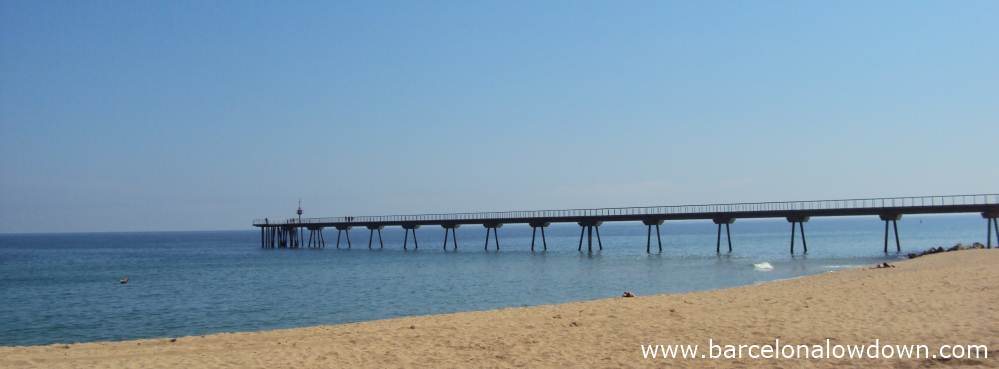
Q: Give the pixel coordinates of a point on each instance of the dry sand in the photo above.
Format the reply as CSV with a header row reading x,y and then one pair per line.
x,y
950,298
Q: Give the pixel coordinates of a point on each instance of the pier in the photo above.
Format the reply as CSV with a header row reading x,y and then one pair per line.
x,y
289,232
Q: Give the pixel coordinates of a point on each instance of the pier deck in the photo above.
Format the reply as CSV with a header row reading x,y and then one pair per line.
x,y
888,210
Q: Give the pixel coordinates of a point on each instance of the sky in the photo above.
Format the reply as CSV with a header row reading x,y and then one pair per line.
x,y
202,115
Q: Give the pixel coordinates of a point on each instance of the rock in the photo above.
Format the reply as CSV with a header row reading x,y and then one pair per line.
x,y
173,340
939,249
932,250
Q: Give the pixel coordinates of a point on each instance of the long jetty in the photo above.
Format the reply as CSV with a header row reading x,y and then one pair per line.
x,y
289,232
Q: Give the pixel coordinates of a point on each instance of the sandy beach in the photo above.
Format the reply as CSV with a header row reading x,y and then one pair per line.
x,y
950,298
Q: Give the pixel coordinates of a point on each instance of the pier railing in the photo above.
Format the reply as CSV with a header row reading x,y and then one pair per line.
x,y
871,203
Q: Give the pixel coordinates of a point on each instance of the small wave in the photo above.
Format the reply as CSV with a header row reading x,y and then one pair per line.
x,y
763,267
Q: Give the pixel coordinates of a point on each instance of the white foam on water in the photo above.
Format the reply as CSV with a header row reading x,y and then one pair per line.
x,y
763,267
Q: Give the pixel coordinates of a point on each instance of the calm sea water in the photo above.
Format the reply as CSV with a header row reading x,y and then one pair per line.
x,y
64,287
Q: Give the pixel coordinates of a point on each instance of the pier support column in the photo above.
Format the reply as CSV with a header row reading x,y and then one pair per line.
x,y
800,220
371,235
534,231
589,239
992,225
587,226
451,228
405,241
893,218
599,243
728,234
316,238
492,227
320,243
342,229
648,234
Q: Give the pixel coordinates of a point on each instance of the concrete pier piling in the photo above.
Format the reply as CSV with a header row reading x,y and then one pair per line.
x,y
534,231
343,229
451,227
649,223
408,228
720,220
893,218
371,235
800,220
492,227
589,225
991,225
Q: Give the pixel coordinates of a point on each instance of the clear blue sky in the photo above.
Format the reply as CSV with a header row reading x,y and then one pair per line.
x,y
180,115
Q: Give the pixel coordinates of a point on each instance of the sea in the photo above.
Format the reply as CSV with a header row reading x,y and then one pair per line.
x,y
64,288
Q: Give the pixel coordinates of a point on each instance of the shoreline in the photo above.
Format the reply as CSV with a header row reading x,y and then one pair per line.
x,y
266,330
942,298
748,263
